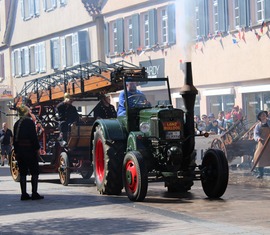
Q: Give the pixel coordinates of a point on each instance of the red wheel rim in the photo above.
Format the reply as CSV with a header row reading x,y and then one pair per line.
x,y
99,155
131,176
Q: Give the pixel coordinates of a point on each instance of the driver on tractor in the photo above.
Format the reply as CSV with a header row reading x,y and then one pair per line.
x,y
135,97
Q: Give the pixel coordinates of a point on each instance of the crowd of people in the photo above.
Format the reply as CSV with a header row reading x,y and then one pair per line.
x,y
221,123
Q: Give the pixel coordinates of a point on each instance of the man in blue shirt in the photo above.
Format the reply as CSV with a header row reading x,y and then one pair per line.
x,y
134,94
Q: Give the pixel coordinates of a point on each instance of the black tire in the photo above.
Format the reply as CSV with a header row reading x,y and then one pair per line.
x,y
107,163
64,171
86,174
214,173
14,168
135,177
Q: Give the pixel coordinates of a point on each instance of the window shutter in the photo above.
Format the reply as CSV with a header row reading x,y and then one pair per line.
x,y
37,10
83,46
75,49
63,52
120,35
106,39
2,66
171,24
12,64
55,53
135,31
153,27
244,13
26,60
203,18
267,9
22,10
31,8
19,63
42,57
37,66
223,15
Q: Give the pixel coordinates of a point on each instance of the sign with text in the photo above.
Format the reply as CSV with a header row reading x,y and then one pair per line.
x,y
154,68
6,93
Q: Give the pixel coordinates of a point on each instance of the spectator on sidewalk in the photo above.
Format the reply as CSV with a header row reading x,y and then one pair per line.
x,y
6,142
261,132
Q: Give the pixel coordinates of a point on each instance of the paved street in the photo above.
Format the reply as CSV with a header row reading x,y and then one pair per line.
x,y
79,209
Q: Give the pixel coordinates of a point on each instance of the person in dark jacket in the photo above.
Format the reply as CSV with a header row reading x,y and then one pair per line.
x,y
26,148
67,114
6,142
104,108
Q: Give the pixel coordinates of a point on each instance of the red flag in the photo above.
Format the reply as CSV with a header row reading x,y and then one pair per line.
x,y
239,34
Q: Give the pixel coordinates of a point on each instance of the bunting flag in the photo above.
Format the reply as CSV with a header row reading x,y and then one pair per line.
x,y
243,35
234,40
257,36
239,35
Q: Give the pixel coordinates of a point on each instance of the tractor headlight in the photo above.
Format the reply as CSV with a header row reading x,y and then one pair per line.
x,y
144,127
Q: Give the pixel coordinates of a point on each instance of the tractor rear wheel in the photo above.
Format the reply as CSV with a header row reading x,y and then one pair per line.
x,y
214,173
107,163
135,177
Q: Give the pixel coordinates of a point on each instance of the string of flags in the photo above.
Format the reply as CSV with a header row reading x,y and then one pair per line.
x,y
236,37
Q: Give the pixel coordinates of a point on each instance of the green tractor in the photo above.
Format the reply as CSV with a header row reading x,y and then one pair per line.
x,y
154,141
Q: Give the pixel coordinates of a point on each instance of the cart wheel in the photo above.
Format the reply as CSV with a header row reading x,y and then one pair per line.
x,y
135,177
214,173
64,171
14,168
217,143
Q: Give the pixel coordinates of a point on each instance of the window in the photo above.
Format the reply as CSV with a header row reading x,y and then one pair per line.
x,y
215,8
25,60
236,14
260,10
62,2
74,49
116,34
201,11
220,14
55,53
28,60
49,5
32,59
16,63
29,9
241,13
132,40
149,29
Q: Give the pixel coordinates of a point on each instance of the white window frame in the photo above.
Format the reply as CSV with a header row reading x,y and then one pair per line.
x,y
164,25
62,3
260,11
49,5
29,9
236,14
25,61
146,30
215,16
32,59
129,28
55,53
16,63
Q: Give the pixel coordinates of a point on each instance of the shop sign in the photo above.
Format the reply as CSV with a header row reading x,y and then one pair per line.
x,y
6,93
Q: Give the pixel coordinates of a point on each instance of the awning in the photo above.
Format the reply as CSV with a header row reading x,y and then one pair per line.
x,y
251,89
223,91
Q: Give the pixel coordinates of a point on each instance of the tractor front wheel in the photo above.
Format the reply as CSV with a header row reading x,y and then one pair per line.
x,y
214,173
135,176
